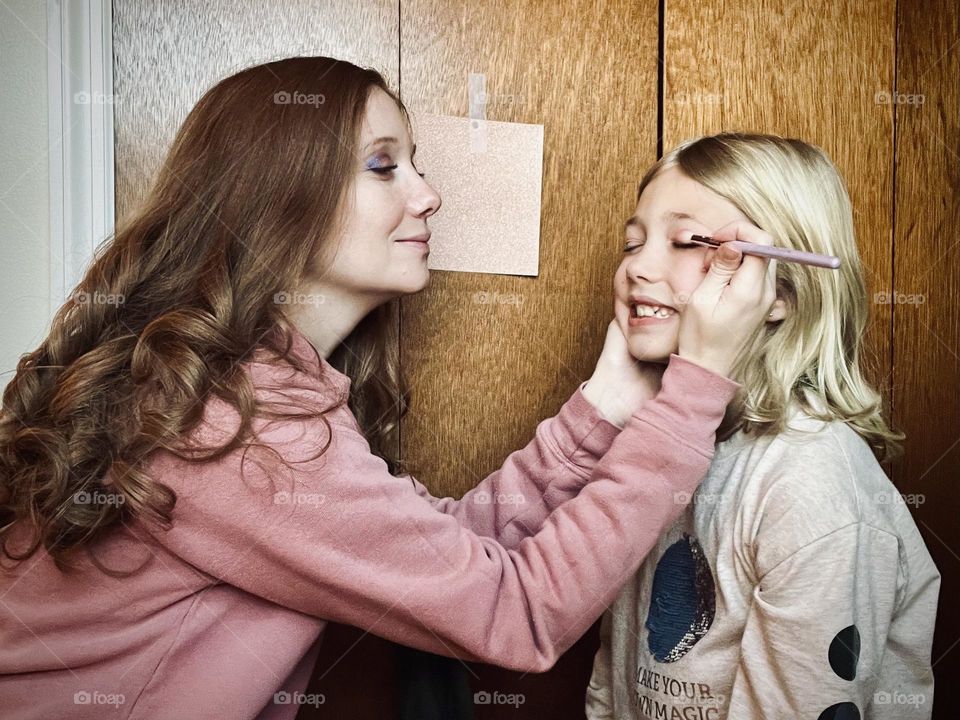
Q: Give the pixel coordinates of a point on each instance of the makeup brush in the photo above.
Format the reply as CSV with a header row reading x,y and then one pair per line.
x,y
776,253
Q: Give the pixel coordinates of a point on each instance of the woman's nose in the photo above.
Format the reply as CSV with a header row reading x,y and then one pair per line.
x,y
425,201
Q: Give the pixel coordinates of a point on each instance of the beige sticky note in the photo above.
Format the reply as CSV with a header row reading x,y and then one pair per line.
x,y
489,175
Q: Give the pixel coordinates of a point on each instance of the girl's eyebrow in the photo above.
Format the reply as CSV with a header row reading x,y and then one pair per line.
x,y
634,221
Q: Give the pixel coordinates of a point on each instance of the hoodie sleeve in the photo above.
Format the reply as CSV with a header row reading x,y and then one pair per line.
x,y
339,538
512,502
816,630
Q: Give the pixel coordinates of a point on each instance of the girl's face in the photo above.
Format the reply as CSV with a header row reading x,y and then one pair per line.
x,y
659,272
383,248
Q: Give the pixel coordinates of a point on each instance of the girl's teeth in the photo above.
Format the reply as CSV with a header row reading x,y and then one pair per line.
x,y
652,311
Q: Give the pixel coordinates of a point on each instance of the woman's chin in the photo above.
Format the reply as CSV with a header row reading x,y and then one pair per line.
x,y
413,284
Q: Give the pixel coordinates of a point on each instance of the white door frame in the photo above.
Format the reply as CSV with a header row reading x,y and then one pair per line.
x,y
80,113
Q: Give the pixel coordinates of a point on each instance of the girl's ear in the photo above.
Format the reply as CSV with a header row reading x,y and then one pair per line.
x,y
779,311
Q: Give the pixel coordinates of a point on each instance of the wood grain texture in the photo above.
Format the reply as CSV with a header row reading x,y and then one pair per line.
x,y
804,69
927,334
483,374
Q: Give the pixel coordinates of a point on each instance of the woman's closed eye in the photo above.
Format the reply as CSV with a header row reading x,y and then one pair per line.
x,y
383,166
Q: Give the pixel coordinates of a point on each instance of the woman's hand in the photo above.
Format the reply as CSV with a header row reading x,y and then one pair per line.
x,y
728,307
620,385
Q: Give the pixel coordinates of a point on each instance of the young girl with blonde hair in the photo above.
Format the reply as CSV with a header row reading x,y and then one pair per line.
x,y
796,584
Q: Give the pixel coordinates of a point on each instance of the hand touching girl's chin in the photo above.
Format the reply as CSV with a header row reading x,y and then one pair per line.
x,y
620,385
649,342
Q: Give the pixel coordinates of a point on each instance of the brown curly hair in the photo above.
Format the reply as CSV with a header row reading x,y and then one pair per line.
x,y
181,296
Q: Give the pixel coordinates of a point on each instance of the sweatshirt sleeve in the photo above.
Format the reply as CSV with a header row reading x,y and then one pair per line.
x,y
512,502
339,538
599,700
815,634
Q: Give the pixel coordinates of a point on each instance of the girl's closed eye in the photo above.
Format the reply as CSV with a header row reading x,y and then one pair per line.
x,y
634,244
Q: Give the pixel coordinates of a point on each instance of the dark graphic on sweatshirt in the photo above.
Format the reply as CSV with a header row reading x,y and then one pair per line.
x,y
844,654
682,601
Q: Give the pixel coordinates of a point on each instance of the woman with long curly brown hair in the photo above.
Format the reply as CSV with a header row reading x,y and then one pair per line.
x,y
195,467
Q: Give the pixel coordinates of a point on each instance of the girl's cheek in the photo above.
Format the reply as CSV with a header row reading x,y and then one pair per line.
x,y
620,276
689,276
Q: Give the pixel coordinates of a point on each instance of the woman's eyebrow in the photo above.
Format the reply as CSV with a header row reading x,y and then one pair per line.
x,y
381,141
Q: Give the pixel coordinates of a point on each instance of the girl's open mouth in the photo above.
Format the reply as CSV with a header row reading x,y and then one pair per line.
x,y
640,310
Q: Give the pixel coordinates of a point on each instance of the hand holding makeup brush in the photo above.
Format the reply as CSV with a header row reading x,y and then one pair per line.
x,y
728,306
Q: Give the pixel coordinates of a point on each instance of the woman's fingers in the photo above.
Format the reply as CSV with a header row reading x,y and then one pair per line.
x,y
731,302
723,267
754,269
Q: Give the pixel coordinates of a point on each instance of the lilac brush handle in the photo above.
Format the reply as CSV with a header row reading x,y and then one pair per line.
x,y
787,255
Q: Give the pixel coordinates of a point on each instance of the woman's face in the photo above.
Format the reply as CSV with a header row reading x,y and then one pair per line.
x,y
659,272
383,247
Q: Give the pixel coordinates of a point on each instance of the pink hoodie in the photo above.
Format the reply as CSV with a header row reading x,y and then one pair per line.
x,y
225,616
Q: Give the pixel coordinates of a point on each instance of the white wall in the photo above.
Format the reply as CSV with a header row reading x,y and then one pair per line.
x,y
24,181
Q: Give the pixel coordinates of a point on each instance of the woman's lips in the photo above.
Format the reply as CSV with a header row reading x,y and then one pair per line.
x,y
420,242
421,245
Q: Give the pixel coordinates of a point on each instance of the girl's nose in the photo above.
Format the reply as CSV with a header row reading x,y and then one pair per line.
x,y
646,264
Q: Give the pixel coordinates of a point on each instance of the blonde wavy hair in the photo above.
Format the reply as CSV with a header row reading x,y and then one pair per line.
x,y
812,357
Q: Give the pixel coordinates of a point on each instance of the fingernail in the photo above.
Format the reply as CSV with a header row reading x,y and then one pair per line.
x,y
726,252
